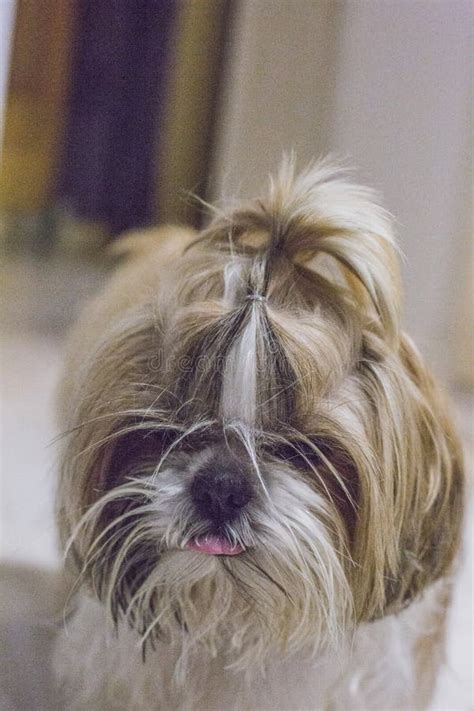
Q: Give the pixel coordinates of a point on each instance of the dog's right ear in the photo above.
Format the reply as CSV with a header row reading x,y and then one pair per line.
x,y
319,213
102,412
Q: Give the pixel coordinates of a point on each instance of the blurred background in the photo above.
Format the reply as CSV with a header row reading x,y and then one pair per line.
x,y
113,112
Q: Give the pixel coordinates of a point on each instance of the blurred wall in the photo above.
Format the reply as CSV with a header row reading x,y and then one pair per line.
x,y
37,95
109,120
386,85
195,72
402,111
279,92
7,17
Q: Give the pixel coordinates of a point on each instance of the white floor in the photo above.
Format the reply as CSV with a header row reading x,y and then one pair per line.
x,y
30,367
39,300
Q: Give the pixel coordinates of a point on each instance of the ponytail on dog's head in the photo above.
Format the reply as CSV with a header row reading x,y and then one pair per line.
x,y
304,226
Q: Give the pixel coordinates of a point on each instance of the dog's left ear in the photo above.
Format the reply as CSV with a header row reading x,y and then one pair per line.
x,y
412,499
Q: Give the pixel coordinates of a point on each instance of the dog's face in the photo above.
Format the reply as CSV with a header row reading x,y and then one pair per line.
x,y
257,455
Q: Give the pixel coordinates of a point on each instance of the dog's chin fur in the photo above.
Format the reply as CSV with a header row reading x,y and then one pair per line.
x,y
256,603
270,343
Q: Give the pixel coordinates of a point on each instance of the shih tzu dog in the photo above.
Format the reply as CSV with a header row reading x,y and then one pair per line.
x,y
261,491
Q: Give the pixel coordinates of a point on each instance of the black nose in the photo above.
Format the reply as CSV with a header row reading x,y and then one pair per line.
x,y
220,490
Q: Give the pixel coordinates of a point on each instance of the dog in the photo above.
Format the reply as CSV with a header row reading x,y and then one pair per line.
x,y
261,489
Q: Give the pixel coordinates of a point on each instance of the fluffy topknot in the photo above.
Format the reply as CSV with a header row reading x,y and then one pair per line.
x,y
304,217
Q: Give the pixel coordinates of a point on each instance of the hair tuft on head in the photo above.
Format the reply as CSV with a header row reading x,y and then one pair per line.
x,y
306,216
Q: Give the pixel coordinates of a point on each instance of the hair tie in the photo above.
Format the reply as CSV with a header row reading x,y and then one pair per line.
x,y
255,297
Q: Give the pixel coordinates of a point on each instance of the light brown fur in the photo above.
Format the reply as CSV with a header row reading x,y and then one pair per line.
x,y
275,332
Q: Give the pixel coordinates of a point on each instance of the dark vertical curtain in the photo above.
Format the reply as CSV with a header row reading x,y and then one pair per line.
x,y
118,89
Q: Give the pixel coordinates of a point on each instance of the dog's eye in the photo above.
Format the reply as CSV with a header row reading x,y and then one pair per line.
x,y
301,455
329,467
133,453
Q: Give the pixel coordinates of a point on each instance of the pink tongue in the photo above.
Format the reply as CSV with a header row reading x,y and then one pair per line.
x,y
213,545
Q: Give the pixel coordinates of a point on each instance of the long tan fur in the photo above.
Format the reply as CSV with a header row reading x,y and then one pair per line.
x,y
275,332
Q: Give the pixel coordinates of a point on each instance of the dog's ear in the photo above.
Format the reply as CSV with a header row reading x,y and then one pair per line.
x,y
412,493
317,214
104,421
163,243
